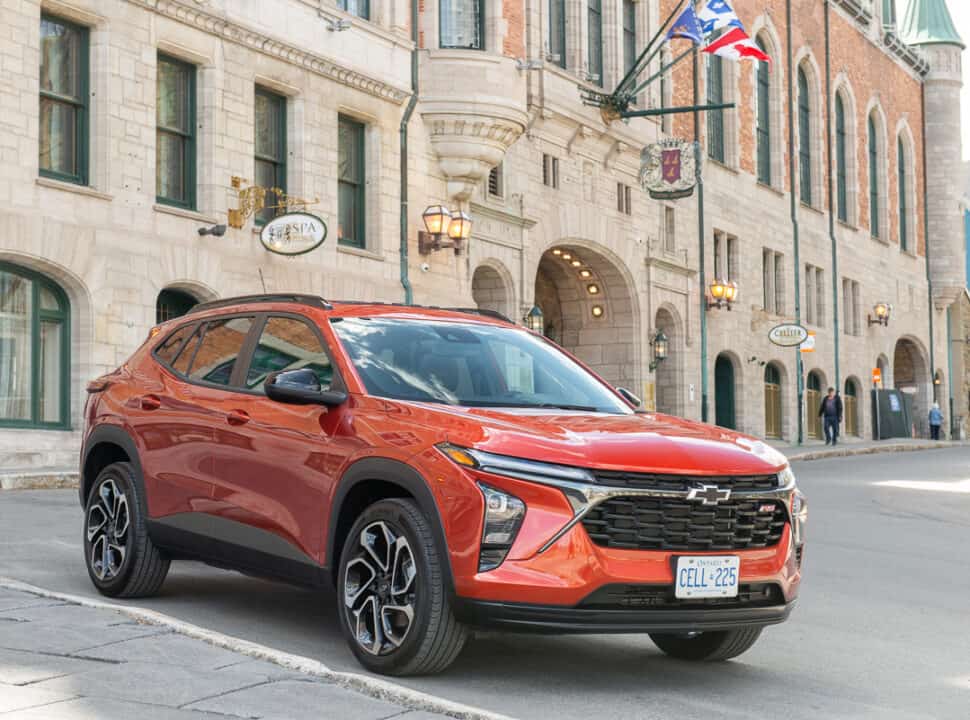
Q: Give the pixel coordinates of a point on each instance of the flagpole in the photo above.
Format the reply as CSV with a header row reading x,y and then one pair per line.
x,y
700,236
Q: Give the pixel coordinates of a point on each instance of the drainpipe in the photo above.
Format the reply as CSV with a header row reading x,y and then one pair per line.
x,y
408,112
701,243
794,222
832,208
949,369
926,241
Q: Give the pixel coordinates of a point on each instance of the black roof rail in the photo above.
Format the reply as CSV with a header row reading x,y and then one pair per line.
x,y
312,300
470,311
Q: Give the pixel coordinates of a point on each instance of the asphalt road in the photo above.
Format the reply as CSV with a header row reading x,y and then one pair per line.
x,y
882,629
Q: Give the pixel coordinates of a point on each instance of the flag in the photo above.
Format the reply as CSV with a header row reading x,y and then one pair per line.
x,y
687,26
736,44
717,14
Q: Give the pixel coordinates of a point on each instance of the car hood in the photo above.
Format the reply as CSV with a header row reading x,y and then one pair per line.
x,y
649,442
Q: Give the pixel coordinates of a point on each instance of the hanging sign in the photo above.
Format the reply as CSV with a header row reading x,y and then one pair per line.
x,y
294,233
669,169
788,335
808,346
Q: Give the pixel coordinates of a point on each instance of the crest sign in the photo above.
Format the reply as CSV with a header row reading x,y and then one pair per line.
x,y
669,169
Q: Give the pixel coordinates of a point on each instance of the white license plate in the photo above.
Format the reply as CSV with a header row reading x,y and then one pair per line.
x,y
706,576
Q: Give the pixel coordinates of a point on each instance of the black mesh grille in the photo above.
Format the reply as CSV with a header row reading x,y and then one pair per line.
x,y
648,523
660,596
682,483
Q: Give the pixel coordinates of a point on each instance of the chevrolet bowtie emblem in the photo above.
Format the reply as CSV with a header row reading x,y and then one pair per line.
x,y
709,494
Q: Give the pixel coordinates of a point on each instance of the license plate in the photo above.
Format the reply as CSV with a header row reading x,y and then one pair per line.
x,y
706,576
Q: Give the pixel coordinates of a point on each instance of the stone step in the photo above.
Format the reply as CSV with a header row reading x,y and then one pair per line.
x,y
39,478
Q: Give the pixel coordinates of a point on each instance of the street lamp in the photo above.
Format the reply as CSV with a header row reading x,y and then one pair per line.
x,y
534,320
881,312
661,346
722,293
438,222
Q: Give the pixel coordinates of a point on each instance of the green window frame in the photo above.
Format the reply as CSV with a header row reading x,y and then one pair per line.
x,y
715,118
175,130
71,99
557,31
351,183
269,128
629,35
594,36
461,24
49,309
841,161
764,120
804,140
903,191
873,148
359,8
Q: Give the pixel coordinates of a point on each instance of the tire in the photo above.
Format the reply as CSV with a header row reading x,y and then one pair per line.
x,y
401,569
114,515
707,646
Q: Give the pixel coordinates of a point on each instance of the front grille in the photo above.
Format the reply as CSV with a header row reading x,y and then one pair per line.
x,y
648,523
682,483
627,597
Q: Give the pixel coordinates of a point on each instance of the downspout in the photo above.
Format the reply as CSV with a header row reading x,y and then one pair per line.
x,y
794,221
700,244
926,241
408,112
949,369
829,160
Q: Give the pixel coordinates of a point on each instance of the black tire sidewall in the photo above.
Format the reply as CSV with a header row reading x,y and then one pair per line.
x,y
395,514
121,473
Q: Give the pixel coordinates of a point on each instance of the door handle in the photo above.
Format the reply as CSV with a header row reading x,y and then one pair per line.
x,y
237,417
151,402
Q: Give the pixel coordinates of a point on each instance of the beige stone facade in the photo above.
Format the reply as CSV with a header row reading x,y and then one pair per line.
x,y
566,185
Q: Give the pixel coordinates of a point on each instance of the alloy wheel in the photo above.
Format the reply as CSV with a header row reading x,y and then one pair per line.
x,y
379,589
106,530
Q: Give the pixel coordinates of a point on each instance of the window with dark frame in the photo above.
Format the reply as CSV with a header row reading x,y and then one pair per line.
x,y
495,182
270,150
594,37
629,35
804,140
175,133
841,160
715,118
903,196
360,8
63,142
462,24
557,32
670,229
624,198
873,146
764,119
351,195
550,171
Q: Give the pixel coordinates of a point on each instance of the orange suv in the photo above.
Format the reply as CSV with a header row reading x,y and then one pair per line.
x,y
443,469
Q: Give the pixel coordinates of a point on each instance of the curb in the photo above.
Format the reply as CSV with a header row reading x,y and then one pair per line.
x,y
869,450
365,684
39,480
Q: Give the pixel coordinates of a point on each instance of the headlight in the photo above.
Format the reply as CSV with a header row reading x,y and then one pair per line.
x,y
532,470
503,517
786,478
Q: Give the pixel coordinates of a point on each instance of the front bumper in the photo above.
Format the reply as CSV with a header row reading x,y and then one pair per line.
x,y
521,617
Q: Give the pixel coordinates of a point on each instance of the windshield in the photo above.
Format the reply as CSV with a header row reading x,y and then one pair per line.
x,y
471,365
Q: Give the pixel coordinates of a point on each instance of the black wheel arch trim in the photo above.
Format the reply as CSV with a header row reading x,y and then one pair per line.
x,y
397,473
110,435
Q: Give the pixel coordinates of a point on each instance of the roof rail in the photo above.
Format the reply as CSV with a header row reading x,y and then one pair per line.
x,y
312,300
470,311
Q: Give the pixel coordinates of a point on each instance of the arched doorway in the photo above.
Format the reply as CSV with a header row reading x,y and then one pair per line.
x,y
668,377
883,364
725,412
813,399
588,307
491,290
172,303
773,412
911,377
850,407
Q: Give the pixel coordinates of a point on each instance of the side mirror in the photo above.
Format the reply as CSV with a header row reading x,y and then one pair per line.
x,y
300,387
629,397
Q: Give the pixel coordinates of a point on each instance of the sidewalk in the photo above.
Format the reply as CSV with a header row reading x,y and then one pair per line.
x,y
818,450
63,661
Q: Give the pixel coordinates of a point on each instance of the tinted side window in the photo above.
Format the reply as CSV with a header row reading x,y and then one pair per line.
x,y
167,349
288,344
181,364
217,354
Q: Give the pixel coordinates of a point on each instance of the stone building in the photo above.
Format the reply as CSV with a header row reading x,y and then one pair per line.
x,y
124,122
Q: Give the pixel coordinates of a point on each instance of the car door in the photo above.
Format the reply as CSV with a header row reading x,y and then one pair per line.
x,y
275,463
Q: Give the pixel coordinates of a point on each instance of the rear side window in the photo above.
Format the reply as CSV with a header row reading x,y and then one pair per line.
x,y
168,348
219,350
288,344
181,364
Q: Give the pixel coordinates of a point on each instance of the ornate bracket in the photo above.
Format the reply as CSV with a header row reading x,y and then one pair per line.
x,y
252,199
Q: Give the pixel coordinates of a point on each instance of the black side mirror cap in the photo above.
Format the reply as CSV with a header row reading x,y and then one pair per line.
x,y
630,397
300,387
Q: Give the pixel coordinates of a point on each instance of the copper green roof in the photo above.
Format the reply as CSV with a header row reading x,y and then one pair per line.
x,y
928,22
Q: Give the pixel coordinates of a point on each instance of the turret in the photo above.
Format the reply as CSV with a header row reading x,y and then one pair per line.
x,y
928,26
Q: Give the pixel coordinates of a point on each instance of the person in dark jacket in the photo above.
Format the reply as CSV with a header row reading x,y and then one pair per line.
x,y
831,413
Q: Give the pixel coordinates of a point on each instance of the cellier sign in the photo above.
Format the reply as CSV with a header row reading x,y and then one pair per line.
x,y
788,335
294,233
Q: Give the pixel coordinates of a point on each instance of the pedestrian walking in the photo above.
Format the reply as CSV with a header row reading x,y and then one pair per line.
x,y
936,421
831,413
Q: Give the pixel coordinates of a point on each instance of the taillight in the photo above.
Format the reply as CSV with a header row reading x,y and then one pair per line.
x,y
99,385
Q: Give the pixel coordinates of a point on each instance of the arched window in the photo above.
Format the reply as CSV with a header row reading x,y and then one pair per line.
x,y
172,304
841,160
902,168
773,421
764,119
851,408
873,145
34,350
804,139
813,399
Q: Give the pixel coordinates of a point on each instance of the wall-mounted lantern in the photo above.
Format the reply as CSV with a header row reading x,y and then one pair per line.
x,y
439,222
534,320
661,347
722,294
881,312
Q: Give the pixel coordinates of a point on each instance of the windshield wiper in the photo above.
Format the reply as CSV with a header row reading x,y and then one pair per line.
x,y
556,406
